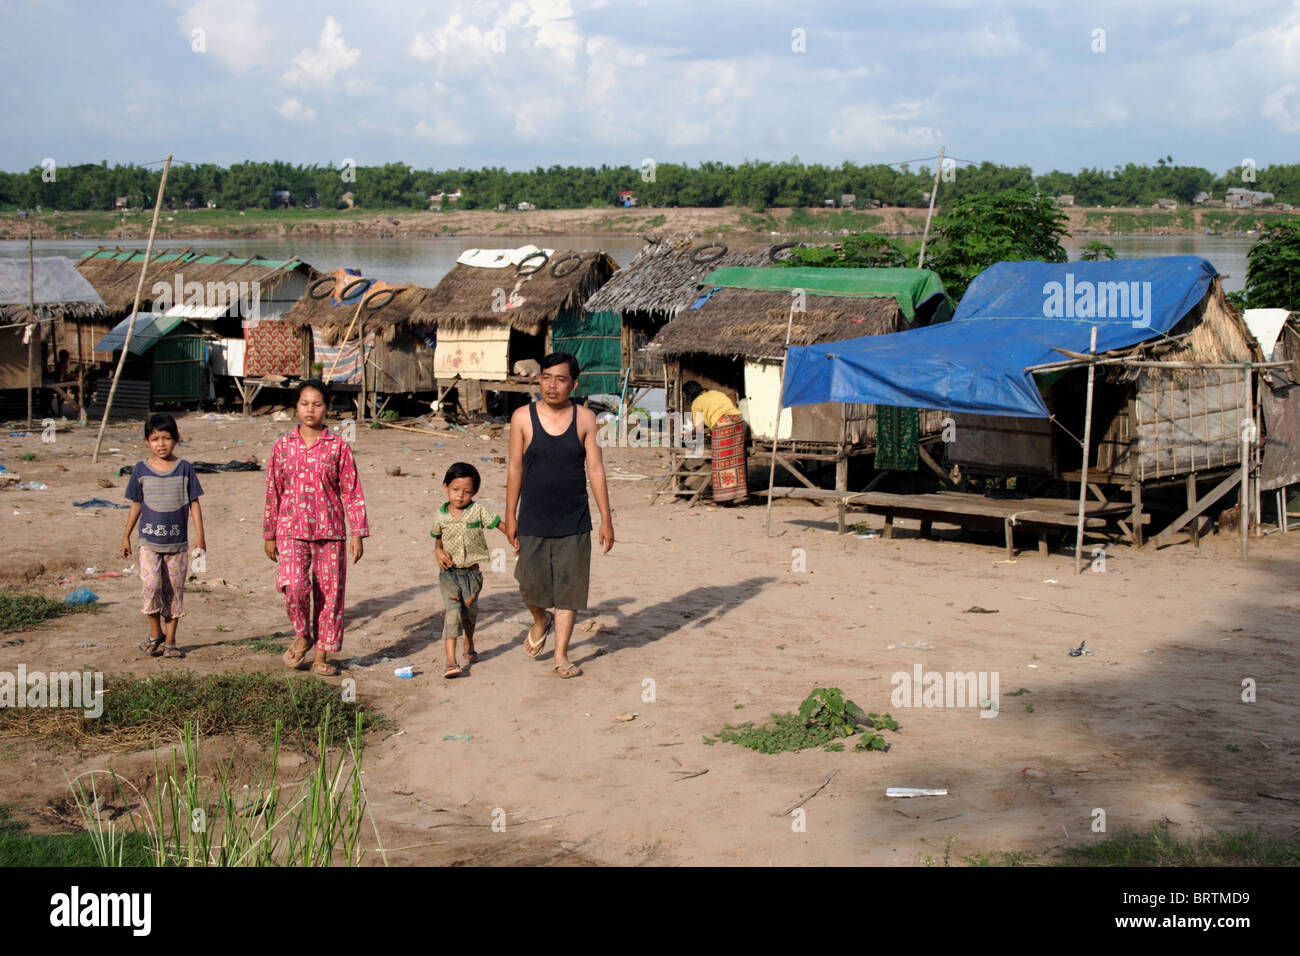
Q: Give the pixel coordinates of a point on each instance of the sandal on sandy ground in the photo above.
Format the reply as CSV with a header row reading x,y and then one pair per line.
x,y
150,646
533,650
325,669
293,659
471,657
453,670
172,652
568,670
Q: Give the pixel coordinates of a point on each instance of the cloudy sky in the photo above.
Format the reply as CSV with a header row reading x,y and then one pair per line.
x,y
521,83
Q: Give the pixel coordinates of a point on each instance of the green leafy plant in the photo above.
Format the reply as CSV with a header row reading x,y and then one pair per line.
x,y
823,719
1273,268
1095,250
28,456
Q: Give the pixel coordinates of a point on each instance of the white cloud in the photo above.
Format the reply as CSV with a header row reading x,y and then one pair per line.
x,y
870,128
444,131
1282,106
331,55
292,109
233,31
1099,114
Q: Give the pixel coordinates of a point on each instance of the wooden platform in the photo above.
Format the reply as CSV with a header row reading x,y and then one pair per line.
x,y
1029,514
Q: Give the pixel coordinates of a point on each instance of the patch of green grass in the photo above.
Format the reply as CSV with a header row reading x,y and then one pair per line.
x,y
998,859
270,643
1159,847
1017,693
1029,708
654,222
18,847
1231,748
823,717
28,456
139,711
19,610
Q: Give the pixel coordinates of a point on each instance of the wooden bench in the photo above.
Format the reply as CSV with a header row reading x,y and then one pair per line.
x,y
965,510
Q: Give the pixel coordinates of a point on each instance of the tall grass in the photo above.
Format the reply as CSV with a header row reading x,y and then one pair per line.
x,y
194,821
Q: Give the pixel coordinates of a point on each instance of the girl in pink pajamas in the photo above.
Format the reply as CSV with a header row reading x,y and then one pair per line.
x,y
311,484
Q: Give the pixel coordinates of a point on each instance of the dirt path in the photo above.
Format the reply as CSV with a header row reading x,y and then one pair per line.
x,y
1151,726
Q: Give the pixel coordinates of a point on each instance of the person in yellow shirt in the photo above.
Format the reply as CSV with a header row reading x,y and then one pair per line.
x,y
727,440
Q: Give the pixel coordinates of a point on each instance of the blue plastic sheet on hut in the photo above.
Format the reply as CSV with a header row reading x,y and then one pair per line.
x,y
1014,316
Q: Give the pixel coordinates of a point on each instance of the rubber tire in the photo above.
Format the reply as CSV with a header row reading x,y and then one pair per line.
x,y
780,247
577,264
347,289
368,303
519,269
701,260
311,290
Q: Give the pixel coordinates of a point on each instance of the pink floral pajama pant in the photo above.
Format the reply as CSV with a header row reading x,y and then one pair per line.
x,y
314,571
162,582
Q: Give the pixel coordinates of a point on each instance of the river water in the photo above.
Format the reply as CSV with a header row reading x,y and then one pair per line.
x,y
426,261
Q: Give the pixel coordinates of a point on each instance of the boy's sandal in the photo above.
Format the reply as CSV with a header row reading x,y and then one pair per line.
x,y
453,670
471,657
150,646
568,670
172,652
325,669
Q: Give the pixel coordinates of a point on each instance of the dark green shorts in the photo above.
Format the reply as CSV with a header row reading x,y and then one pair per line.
x,y
554,572
460,588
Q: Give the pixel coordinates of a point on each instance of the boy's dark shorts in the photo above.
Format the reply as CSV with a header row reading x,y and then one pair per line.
x,y
460,589
555,572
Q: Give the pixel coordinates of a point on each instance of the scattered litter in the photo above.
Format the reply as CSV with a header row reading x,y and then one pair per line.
x,y
394,471
85,644
1079,651
868,534
97,503
34,486
976,609
238,441
1033,667
17,434
405,672
626,717
80,596
921,646
3,469
1029,773
1148,652
93,569
209,468
281,416
914,792
117,450
457,736
105,483
1050,581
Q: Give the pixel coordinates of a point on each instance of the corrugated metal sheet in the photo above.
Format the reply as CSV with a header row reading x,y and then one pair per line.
x,y
130,402
149,328
178,367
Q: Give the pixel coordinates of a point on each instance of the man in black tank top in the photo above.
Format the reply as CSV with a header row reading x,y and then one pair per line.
x,y
553,452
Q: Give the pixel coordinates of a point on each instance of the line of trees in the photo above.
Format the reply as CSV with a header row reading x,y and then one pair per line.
x,y
754,184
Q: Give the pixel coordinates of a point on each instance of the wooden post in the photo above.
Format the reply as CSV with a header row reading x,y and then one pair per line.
x,y
34,327
1191,501
776,427
934,191
135,308
1243,490
1087,440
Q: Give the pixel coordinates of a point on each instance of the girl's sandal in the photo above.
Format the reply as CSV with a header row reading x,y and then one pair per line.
x,y
150,646
171,651
452,670
325,669
293,659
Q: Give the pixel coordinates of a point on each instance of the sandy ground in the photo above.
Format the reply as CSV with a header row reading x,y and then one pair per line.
x,y
700,602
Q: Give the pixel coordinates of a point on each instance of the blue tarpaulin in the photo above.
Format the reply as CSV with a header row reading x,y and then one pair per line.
x,y
1013,317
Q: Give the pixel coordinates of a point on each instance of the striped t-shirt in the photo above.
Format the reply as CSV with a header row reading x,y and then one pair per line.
x,y
164,504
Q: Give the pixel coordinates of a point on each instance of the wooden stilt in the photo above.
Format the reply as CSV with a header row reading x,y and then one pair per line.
x,y
1191,501
1087,441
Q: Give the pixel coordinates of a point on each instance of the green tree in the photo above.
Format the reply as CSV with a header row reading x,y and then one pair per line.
x,y
1273,268
862,250
975,232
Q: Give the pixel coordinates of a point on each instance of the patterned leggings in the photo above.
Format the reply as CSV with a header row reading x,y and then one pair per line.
x,y
162,582
314,571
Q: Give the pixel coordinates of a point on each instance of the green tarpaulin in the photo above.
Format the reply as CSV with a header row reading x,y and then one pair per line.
x,y
909,287
596,339
898,431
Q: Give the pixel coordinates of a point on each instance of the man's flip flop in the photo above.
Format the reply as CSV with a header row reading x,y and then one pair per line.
x,y
533,650
568,670
453,670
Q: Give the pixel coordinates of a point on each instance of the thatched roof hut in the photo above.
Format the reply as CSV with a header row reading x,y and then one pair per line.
x,y
752,324
663,279
115,273
386,314
49,291
470,296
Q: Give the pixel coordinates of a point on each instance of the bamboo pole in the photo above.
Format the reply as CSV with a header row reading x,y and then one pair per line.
x,y
344,341
135,308
1087,440
934,191
776,428
33,328
1243,519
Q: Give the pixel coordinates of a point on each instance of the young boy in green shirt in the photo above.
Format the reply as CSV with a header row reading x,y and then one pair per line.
x,y
458,528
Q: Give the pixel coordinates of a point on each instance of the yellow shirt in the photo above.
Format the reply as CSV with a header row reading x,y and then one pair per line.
x,y
712,405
